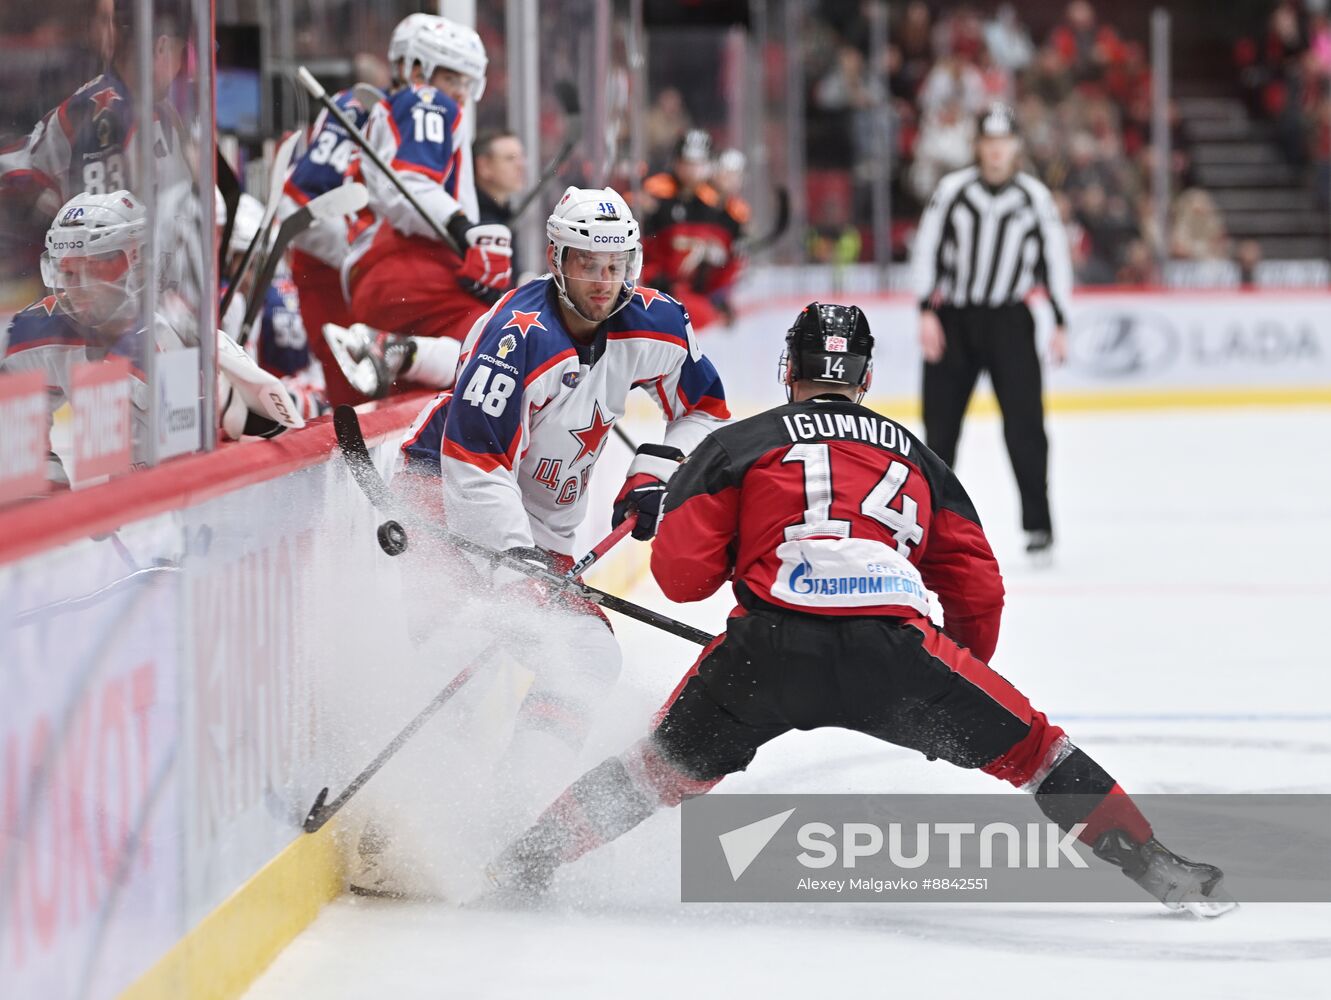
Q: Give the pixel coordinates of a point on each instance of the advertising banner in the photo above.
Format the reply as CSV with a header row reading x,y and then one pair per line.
x,y
102,437
26,439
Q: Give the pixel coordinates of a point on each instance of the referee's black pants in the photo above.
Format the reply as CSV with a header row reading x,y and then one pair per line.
x,y
1001,341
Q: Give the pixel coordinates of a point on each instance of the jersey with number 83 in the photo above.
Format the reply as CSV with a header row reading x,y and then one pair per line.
x,y
828,508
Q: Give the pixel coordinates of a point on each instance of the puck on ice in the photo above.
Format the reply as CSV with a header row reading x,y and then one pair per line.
x,y
392,538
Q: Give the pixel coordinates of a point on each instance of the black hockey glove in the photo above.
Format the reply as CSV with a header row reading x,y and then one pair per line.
x,y
644,490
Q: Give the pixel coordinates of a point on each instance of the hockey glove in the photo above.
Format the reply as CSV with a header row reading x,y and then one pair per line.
x,y
644,490
487,264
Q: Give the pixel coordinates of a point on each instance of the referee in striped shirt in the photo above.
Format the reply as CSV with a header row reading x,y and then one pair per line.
x,y
989,233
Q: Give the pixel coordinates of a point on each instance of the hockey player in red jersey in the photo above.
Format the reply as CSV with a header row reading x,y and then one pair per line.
x,y
832,521
404,280
689,234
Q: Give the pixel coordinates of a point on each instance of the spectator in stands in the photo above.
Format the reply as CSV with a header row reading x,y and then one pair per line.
x,y
667,121
1196,231
946,143
1008,41
1050,79
1138,265
1109,227
1085,46
953,79
1248,256
501,172
915,39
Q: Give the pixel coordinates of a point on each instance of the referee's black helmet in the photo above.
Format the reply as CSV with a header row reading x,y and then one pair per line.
x,y
998,120
831,344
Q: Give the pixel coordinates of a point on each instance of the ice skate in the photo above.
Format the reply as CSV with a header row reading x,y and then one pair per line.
x,y
1040,547
372,876
1177,882
370,359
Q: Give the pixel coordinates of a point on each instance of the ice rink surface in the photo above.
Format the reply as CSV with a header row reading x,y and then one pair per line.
x,y
1176,638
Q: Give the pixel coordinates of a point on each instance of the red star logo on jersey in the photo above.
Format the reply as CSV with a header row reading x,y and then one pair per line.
x,y
649,295
524,321
103,99
590,437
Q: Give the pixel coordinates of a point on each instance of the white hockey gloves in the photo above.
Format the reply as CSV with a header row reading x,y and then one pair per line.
x,y
250,402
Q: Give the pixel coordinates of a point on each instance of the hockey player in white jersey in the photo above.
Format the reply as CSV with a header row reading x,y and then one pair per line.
x,y
94,268
544,376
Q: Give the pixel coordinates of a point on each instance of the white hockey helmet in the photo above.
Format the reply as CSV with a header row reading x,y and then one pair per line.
x,y
595,220
402,35
446,44
249,216
94,256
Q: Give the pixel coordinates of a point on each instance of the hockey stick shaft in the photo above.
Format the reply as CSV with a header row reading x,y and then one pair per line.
x,y
281,161
323,810
327,204
349,438
599,550
316,90
623,435
780,224
229,185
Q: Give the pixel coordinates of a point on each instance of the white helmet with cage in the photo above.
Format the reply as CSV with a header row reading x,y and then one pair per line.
x,y
94,256
448,45
405,31
595,220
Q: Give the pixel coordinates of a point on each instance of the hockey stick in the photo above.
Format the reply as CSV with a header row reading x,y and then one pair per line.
x,y
316,90
623,435
393,538
602,547
277,179
780,224
229,185
567,95
345,200
323,810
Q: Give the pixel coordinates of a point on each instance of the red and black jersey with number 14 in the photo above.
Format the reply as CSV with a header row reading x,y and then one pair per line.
x,y
825,507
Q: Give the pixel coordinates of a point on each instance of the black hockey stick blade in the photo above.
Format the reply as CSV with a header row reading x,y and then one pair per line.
x,y
346,425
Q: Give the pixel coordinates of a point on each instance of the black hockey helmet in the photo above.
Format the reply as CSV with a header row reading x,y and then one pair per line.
x,y
829,343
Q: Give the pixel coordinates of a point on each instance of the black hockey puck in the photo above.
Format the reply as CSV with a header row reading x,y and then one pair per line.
x,y
392,538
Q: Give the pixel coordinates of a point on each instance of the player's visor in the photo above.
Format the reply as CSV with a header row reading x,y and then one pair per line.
x,y
75,272
592,265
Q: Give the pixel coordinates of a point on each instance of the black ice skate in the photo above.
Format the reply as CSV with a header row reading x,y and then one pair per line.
x,y
370,359
1040,547
1177,882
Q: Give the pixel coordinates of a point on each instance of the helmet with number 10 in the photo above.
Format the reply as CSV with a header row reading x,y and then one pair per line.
x,y
595,252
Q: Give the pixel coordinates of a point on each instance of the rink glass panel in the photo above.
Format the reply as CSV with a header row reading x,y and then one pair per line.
x,y
155,141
